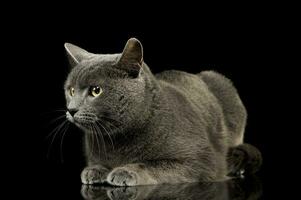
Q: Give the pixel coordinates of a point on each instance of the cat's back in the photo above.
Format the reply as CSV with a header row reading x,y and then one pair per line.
x,y
187,90
173,76
183,81
189,85
212,93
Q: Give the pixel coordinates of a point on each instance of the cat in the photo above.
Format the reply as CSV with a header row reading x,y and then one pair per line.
x,y
144,129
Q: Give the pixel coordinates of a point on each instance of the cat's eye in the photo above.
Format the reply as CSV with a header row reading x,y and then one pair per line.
x,y
95,91
71,91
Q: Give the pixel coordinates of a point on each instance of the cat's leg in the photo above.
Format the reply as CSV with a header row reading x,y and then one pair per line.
x,y
93,174
144,174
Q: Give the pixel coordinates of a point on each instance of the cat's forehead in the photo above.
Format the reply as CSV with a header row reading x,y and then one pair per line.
x,y
100,60
94,69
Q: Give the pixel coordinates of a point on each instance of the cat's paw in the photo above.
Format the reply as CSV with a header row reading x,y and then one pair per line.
x,y
91,192
92,175
122,176
118,193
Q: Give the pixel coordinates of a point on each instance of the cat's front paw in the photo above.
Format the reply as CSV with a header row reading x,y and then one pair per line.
x,y
118,193
92,175
91,192
123,176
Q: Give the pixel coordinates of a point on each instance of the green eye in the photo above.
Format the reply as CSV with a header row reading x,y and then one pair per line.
x,y
71,91
95,91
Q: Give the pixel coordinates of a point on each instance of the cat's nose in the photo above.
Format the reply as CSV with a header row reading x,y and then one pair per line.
x,y
72,111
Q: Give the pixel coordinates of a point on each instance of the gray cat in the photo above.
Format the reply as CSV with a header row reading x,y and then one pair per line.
x,y
143,129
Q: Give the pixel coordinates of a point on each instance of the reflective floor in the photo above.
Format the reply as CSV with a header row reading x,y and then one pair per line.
x,y
237,189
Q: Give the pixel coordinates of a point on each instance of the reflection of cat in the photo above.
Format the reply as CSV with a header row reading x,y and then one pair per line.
x,y
235,189
147,129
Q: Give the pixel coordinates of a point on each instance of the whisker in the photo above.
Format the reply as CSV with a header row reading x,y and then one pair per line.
x,y
98,122
103,141
117,128
91,136
98,145
112,125
62,141
53,111
112,131
112,119
56,119
87,143
55,131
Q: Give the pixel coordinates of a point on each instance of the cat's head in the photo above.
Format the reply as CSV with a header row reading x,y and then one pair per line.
x,y
105,91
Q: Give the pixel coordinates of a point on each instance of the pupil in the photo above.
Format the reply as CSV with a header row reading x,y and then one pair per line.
x,y
96,90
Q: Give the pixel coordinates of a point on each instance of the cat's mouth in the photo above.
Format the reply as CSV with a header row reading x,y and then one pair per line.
x,y
69,117
80,122
91,123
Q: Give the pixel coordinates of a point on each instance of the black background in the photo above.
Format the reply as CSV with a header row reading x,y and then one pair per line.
x,y
251,47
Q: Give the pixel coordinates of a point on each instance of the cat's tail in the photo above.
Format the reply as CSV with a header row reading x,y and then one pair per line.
x,y
243,158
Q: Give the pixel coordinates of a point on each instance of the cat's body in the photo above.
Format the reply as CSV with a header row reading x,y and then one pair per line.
x,y
165,128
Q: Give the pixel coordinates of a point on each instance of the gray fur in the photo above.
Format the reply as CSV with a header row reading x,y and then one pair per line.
x,y
147,129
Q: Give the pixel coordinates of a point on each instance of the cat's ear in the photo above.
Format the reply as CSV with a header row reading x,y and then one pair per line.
x,y
132,52
131,58
75,54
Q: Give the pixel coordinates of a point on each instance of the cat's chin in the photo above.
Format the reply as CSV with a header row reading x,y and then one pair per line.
x,y
82,127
